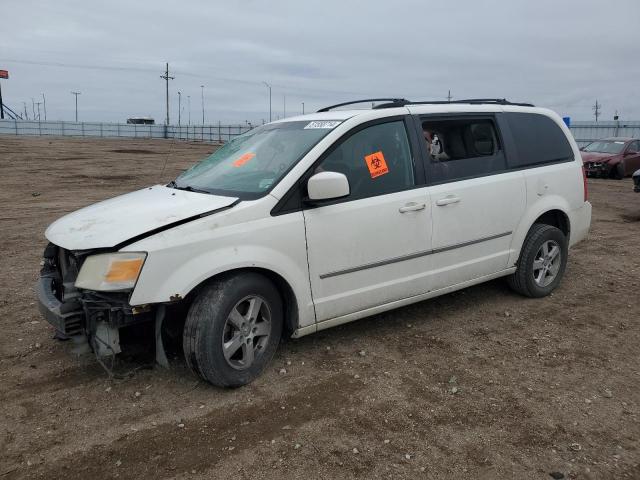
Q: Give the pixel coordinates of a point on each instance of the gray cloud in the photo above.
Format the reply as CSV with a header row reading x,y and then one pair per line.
x,y
559,54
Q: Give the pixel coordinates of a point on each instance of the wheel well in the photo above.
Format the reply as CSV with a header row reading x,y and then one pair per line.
x,y
289,301
556,218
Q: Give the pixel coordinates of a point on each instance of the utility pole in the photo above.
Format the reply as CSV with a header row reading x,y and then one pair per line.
x,y
76,94
33,108
269,87
26,114
303,108
202,92
38,104
189,103
179,100
44,104
166,78
596,109
449,97
284,106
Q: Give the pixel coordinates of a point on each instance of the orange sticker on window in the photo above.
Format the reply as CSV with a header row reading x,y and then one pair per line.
x,y
243,159
376,164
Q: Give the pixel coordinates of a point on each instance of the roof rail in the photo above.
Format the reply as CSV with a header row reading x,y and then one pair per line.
x,y
401,102
476,101
396,102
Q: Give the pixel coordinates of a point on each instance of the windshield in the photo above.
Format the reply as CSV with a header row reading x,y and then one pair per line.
x,y
251,164
605,146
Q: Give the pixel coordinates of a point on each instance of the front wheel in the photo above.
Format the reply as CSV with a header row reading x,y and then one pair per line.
x,y
618,171
233,329
542,262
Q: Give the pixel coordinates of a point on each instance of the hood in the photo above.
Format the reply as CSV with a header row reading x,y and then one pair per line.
x,y
111,222
596,156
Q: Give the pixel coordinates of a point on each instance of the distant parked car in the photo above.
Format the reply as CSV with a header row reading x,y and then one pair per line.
x,y
141,121
615,157
636,181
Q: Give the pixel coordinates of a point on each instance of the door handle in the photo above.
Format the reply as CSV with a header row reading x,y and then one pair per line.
x,y
448,200
412,207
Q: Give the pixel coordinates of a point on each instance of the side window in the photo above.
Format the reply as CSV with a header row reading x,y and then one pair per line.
x,y
538,140
376,160
634,147
461,148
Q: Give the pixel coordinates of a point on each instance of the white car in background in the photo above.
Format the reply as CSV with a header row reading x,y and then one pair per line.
x,y
313,221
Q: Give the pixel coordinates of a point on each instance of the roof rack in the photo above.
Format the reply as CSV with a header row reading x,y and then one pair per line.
x,y
394,101
401,102
476,101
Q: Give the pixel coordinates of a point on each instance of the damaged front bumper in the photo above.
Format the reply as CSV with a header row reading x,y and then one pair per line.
x,y
597,169
90,316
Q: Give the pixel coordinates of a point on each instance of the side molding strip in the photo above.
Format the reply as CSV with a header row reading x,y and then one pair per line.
x,y
411,256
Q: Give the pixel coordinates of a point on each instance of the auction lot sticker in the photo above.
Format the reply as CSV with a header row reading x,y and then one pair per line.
x,y
243,159
323,124
376,164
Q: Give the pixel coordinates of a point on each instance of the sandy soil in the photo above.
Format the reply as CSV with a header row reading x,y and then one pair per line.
x,y
480,384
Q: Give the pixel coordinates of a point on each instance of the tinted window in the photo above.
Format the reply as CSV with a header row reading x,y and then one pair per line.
x,y
461,148
376,160
538,140
634,147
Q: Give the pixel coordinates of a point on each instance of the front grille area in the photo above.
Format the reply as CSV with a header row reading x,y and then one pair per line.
x,y
62,267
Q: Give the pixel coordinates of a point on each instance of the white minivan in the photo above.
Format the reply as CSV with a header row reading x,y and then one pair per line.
x,y
313,221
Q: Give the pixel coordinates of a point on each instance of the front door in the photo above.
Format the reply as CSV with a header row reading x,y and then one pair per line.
x,y
372,247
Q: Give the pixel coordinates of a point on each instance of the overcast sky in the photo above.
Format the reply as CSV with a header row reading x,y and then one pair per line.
x,y
559,54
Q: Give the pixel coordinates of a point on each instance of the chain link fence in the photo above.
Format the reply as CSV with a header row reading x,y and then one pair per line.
x,y
200,133
583,131
587,132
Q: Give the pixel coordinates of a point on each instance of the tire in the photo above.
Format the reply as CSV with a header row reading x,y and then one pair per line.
x,y
617,171
531,279
219,331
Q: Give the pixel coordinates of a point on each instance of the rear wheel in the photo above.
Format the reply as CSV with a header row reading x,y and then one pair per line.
x,y
233,329
542,261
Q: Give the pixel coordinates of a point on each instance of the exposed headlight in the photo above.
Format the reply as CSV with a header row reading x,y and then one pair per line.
x,y
110,271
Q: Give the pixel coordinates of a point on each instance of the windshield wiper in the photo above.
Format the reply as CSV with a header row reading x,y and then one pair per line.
x,y
188,188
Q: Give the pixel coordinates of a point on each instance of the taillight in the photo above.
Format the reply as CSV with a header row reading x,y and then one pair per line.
x,y
584,183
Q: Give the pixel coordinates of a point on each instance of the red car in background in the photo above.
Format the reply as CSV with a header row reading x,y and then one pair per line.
x,y
614,157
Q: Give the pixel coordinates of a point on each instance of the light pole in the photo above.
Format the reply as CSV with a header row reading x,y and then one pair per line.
x,y
284,106
202,91
76,94
44,104
189,103
269,87
303,108
179,100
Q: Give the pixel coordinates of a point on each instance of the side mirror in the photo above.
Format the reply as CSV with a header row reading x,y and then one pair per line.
x,y
327,186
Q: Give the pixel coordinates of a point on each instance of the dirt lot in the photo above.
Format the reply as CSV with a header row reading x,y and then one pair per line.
x,y
479,384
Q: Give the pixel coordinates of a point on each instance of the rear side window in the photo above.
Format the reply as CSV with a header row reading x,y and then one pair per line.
x,y
538,140
375,160
460,148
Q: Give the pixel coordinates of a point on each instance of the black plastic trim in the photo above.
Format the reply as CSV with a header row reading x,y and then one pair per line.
x,y
411,256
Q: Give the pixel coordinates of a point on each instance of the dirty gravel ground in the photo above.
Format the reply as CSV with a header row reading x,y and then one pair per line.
x,y
541,386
